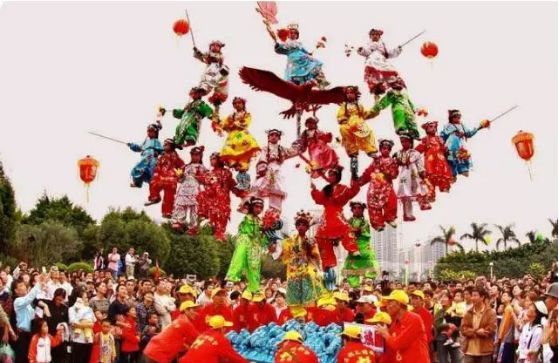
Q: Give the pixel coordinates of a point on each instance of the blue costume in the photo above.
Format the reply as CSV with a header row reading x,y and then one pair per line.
x,y
458,157
150,149
301,67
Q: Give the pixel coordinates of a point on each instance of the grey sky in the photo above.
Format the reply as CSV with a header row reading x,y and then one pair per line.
x,y
67,68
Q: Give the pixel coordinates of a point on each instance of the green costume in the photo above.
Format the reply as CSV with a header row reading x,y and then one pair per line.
x,y
403,111
248,249
366,263
188,129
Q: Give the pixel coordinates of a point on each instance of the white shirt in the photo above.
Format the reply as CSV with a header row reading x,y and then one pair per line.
x,y
129,260
530,341
164,305
203,299
43,350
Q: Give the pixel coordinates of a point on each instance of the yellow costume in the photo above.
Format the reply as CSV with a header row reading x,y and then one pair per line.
x,y
240,147
356,134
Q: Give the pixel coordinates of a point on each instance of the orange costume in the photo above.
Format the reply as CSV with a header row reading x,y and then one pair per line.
x,y
356,352
164,347
408,340
291,351
212,347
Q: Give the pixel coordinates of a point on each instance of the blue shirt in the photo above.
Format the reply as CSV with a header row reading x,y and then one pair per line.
x,y
23,309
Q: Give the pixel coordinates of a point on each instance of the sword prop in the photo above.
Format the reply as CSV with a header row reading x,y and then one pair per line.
x,y
191,29
107,138
412,39
503,113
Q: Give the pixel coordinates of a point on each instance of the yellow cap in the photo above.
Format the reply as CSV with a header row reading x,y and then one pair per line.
x,y
258,297
399,296
341,296
217,290
218,322
298,312
352,331
187,305
293,335
326,301
380,317
186,289
419,293
246,295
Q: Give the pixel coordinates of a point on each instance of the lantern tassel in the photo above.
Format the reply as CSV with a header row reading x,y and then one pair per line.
x,y
529,164
87,193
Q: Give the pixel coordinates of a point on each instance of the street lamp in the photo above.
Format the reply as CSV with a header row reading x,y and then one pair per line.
x,y
491,269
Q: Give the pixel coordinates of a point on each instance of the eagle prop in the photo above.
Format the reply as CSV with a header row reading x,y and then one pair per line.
x,y
303,97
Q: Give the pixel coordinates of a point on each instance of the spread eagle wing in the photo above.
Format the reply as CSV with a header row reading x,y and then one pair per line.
x,y
323,97
261,80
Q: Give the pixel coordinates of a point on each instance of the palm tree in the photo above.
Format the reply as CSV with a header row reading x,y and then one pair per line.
x,y
446,238
479,234
532,236
507,235
553,228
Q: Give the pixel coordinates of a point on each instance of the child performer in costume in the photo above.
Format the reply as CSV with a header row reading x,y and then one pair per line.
x,y
403,110
185,212
216,74
150,149
188,129
321,155
454,136
269,182
214,202
248,247
377,67
301,66
382,202
301,256
434,152
412,172
165,178
365,264
356,134
240,147
334,227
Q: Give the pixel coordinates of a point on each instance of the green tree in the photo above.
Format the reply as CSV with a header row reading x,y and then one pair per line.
x,y
507,235
532,236
446,239
537,270
8,212
479,234
46,244
553,228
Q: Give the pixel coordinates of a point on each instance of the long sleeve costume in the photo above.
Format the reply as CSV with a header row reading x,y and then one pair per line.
x,y
382,203
458,157
248,249
302,258
403,111
365,264
165,179
185,211
301,66
437,167
411,186
188,129
377,67
216,75
321,155
240,146
150,149
356,134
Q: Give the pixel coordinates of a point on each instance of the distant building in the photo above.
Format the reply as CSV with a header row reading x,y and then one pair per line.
x,y
386,245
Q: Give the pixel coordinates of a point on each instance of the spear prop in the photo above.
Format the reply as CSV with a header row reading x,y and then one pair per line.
x,y
503,113
191,29
107,138
413,38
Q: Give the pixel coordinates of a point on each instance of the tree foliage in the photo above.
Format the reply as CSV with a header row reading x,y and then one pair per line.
x,y
507,235
8,212
479,234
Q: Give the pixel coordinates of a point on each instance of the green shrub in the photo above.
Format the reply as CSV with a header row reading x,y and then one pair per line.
x,y
61,266
76,266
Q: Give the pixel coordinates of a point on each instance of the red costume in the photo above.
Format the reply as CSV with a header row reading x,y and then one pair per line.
x,y
408,340
214,202
427,318
321,155
241,317
212,309
164,347
291,351
261,315
356,352
165,179
285,316
130,339
382,202
322,317
434,152
334,227
212,347
344,315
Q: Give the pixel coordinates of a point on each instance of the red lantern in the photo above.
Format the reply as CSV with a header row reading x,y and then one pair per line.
x,y
429,50
524,144
88,171
283,34
181,27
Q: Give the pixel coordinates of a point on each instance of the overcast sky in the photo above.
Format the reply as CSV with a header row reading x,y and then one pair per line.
x,y
67,68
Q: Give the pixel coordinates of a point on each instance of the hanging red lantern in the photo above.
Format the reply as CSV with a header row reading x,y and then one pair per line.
x,y
524,144
88,171
429,50
181,27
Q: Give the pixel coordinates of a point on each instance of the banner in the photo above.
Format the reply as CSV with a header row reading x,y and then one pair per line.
x,y
370,337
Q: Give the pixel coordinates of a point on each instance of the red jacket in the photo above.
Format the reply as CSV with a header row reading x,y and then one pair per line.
x,y
130,338
295,352
356,352
408,339
212,347
261,315
38,355
427,318
344,315
284,316
164,347
241,316
321,317
211,309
